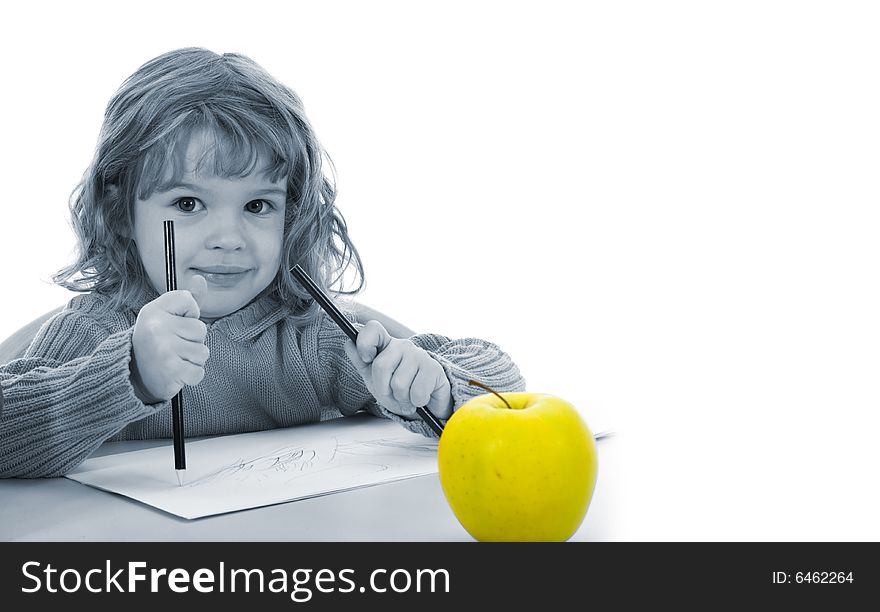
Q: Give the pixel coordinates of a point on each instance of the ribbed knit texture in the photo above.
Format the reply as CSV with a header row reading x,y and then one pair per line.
x,y
71,391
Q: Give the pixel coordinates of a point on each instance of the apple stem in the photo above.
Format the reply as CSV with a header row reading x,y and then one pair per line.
x,y
479,384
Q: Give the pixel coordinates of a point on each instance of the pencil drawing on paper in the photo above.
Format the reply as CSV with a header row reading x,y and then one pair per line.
x,y
256,469
298,462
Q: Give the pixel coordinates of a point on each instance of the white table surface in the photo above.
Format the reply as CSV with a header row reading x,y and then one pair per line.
x,y
59,509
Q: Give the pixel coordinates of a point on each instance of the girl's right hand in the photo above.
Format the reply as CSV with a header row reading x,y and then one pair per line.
x,y
168,344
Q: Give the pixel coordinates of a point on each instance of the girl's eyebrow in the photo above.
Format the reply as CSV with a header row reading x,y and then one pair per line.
x,y
271,190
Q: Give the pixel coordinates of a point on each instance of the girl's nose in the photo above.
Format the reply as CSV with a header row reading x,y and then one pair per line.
x,y
226,232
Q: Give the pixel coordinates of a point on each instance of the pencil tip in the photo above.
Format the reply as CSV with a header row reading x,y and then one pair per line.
x,y
179,477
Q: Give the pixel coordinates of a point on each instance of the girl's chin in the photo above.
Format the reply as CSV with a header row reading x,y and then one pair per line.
x,y
209,314
216,305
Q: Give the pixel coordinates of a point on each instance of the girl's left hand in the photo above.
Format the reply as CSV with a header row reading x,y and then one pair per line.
x,y
400,375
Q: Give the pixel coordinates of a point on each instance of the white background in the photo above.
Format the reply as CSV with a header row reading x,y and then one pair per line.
x,y
667,213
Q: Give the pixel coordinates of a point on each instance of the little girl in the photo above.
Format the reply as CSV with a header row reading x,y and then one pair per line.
x,y
224,150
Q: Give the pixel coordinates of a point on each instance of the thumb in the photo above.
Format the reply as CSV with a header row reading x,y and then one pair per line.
x,y
351,351
198,288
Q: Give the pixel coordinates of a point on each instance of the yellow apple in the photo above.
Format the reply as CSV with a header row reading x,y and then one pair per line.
x,y
518,467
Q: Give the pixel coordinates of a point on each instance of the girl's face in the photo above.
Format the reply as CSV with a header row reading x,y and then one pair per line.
x,y
228,230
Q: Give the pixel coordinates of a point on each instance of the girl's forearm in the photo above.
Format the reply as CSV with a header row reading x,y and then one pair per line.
x,y
57,414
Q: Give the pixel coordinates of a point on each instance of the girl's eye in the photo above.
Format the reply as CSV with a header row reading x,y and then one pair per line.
x,y
186,204
255,206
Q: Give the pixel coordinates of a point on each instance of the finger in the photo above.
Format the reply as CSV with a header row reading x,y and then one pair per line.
x,y
383,368
441,404
352,353
180,303
195,353
422,388
192,330
190,374
372,339
198,288
402,380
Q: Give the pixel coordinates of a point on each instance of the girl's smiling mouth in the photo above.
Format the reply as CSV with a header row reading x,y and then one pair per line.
x,y
223,275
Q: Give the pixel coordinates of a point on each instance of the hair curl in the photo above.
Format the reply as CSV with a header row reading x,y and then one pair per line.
x,y
254,118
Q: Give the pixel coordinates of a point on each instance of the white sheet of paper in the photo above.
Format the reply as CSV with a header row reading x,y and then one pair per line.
x,y
250,470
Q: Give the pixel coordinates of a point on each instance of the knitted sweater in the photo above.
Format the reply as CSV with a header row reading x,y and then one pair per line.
x,y
71,391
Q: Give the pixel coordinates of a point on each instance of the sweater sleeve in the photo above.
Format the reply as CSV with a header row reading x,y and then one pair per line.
x,y
462,360
68,394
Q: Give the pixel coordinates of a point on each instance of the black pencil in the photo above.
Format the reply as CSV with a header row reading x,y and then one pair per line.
x,y
349,329
177,400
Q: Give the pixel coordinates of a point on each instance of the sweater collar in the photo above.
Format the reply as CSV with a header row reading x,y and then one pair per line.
x,y
244,324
